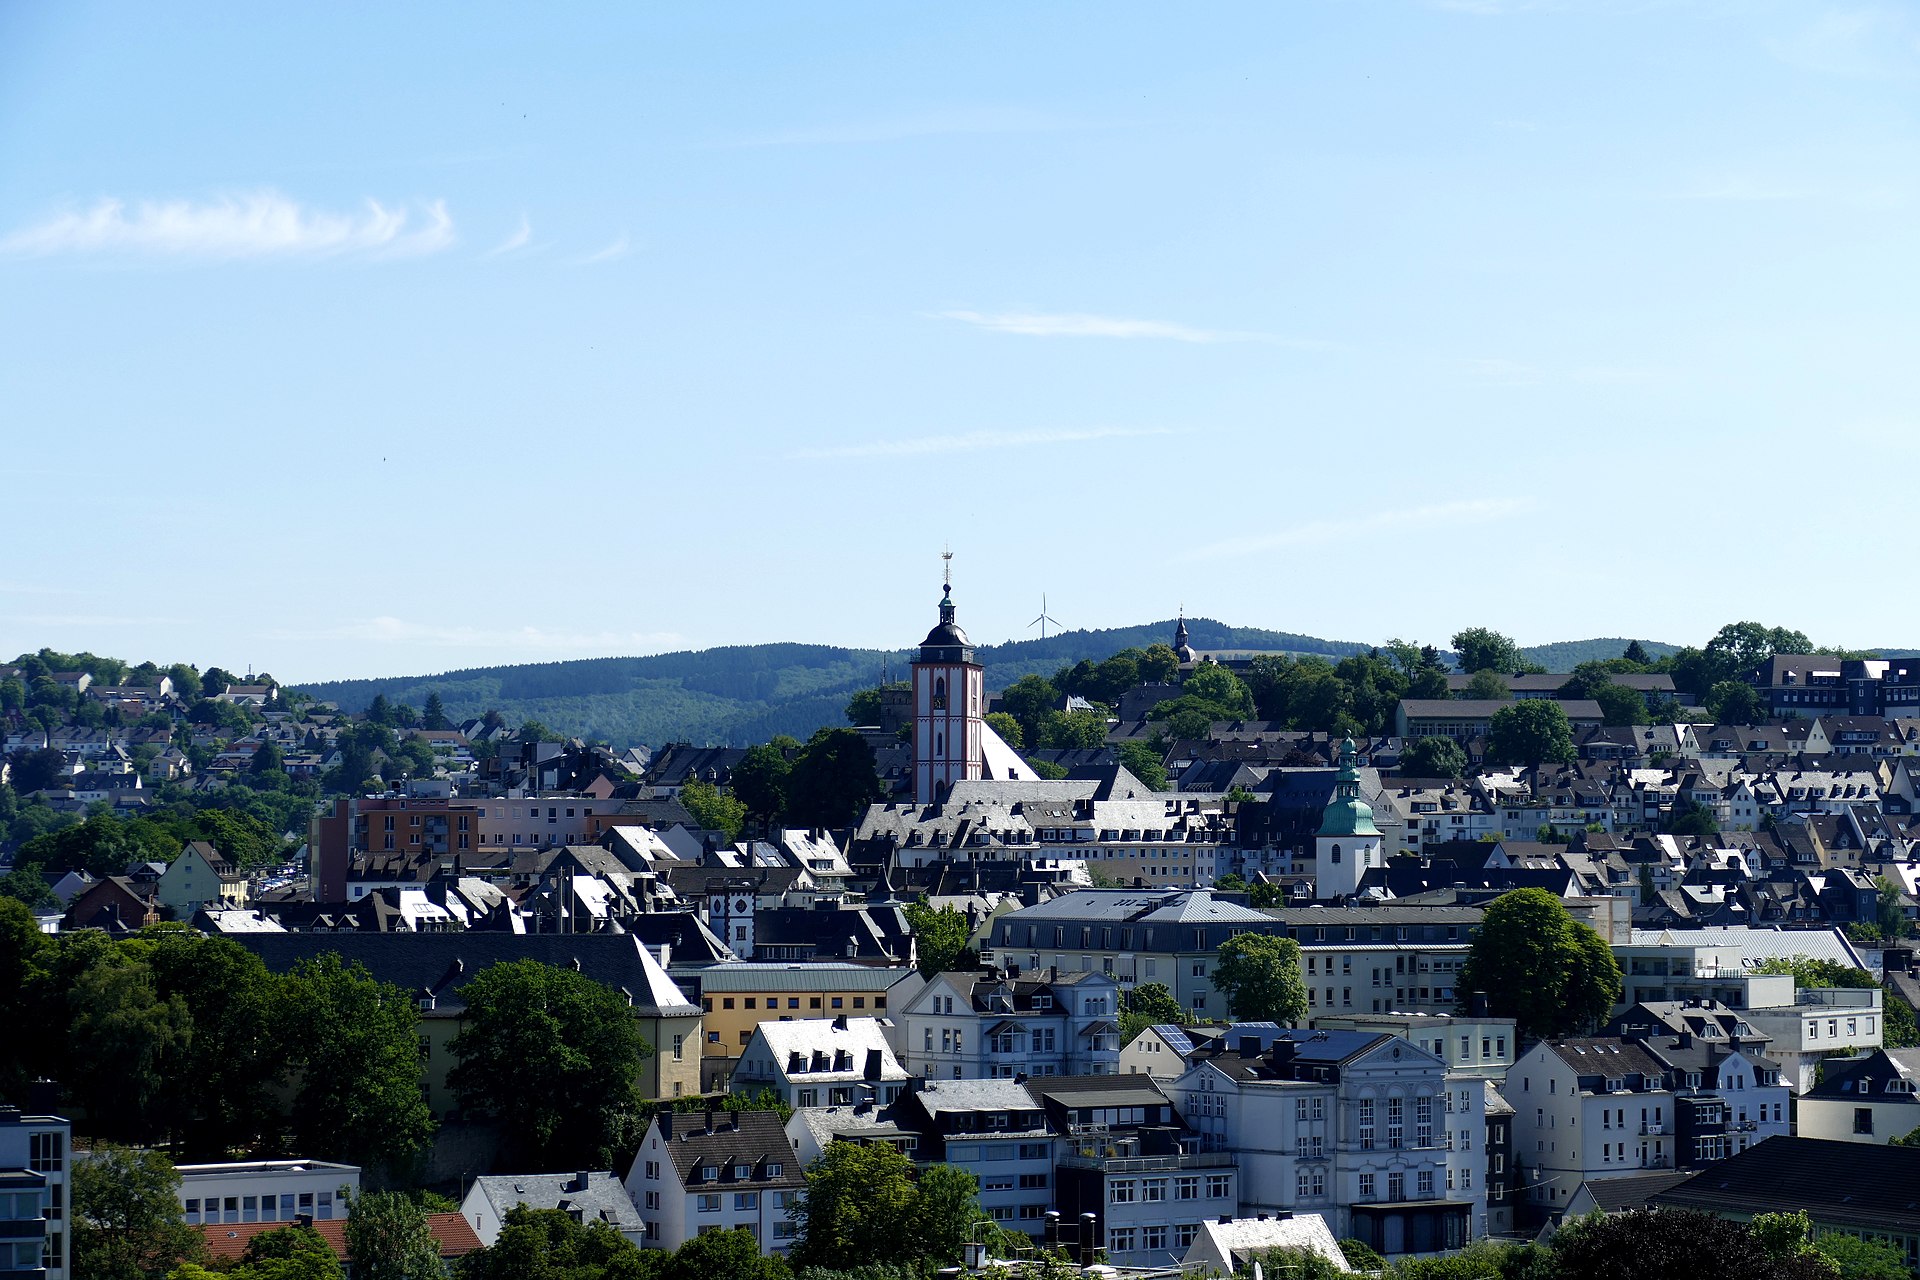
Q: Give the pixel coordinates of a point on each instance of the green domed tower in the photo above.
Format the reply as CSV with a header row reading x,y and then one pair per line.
x,y
1348,843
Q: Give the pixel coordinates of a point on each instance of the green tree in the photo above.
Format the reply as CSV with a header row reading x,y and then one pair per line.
x,y
1145,1006
126,1219
1294,1263
946,1205
761,780
940,938
1637,654
1259,977
1688,817
1008,728
388,1239
555,1057
1735,702
221,1093
1070,730
1481,649
23,948
353,1046
1360,1256
833,780
1210,682
547,1244
1890,912
1620,705
1159,664
1857,1259
714,809
731,1253
1670,1244
1028,700
1538,965
1374,689
267,760
285,1253
1489,686
1533,731
434,716
868,706
1144,763
121,1038
858,1207
1434,756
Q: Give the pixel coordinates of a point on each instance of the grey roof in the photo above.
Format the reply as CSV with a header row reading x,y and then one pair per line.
x,y
1151,906
1859,1184
602,1199
814,975
724,1140
1632,1190
975,1095
442,963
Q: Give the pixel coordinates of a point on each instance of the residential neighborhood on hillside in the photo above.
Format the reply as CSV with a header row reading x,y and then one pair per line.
x,y
1357,948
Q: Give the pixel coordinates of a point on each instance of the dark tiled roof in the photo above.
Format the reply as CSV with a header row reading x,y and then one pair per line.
x,y
755,1138
1838,1183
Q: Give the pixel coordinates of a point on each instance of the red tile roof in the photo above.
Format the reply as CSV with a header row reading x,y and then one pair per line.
x,y
228,1241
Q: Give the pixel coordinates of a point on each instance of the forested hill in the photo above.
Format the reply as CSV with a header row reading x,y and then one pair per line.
x,y
741,694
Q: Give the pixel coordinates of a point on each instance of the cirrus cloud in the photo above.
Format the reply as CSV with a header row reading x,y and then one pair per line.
x,y
254,225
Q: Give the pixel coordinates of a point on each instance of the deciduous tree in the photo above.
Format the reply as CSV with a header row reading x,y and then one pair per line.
x,y
126,1222
1483,649
1533,732
1259,977
1538,965
940,938
833,780
388,1239
554,1056
1434,756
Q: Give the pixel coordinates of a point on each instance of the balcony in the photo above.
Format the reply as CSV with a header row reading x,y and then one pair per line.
x,y
1149,1164
1653,1130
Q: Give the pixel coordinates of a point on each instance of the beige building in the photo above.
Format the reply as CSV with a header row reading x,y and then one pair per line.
x,y
736,998
200,877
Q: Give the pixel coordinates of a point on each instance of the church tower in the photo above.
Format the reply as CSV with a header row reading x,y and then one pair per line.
x,y
1348,844
949,701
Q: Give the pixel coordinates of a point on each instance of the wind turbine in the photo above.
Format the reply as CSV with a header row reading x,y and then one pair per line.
x,y
1042,621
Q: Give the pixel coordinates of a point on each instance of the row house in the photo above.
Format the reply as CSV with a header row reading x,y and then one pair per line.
x,y
1605,1106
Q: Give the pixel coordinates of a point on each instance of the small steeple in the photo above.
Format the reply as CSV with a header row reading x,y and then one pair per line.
x,y
1347,814
1181,648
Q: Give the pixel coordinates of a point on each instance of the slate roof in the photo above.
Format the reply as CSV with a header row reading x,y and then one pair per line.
x,y
1854,1184
442,963
601,1199
754,1138
1632,1190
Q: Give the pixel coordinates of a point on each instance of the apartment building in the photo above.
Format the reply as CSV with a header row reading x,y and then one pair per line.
x,y
266,1191
988,1024
821,1062
737,998
34,1154
1364,1128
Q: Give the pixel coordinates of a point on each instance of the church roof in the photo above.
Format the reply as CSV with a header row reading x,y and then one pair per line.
x,y
1347,814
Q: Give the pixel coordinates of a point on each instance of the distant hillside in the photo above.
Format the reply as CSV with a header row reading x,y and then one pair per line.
x,y
1565,655
742,694
747,693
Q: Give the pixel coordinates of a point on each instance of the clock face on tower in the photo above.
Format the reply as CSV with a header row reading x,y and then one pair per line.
x,y
939,702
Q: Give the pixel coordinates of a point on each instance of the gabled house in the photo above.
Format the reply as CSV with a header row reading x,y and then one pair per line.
x,y
726,1170
1871,1098
199,876
587,1197
821,1062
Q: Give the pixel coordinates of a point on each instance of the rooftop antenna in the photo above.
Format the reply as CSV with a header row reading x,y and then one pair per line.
x,y
946,564
1044,618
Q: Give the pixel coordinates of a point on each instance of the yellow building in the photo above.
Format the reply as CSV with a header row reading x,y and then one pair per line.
x,y
736,998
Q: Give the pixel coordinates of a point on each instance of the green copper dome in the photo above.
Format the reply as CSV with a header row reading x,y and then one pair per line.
x,y
1347,814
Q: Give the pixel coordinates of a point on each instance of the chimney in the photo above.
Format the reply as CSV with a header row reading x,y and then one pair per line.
x,y
873,1064
839,1022
1249,1046
1089,1245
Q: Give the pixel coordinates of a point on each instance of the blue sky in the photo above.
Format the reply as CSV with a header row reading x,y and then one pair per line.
x,y
384,339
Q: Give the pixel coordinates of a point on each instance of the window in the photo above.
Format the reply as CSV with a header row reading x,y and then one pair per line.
x,y
1366,1186
1424,1182
1121,1191
1120,1239
1219,1186
1366,1124
709,1203
746,1199
1863,1119
1186,1188
46,1152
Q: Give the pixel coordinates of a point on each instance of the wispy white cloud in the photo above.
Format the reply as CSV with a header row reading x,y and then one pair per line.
x,y
974,441
98,620
931,124
518,240
261,224
1034,324
618,249
1320,532
389,630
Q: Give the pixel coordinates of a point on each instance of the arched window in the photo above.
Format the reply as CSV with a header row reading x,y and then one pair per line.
x,y
939,745
940,686
1336,855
